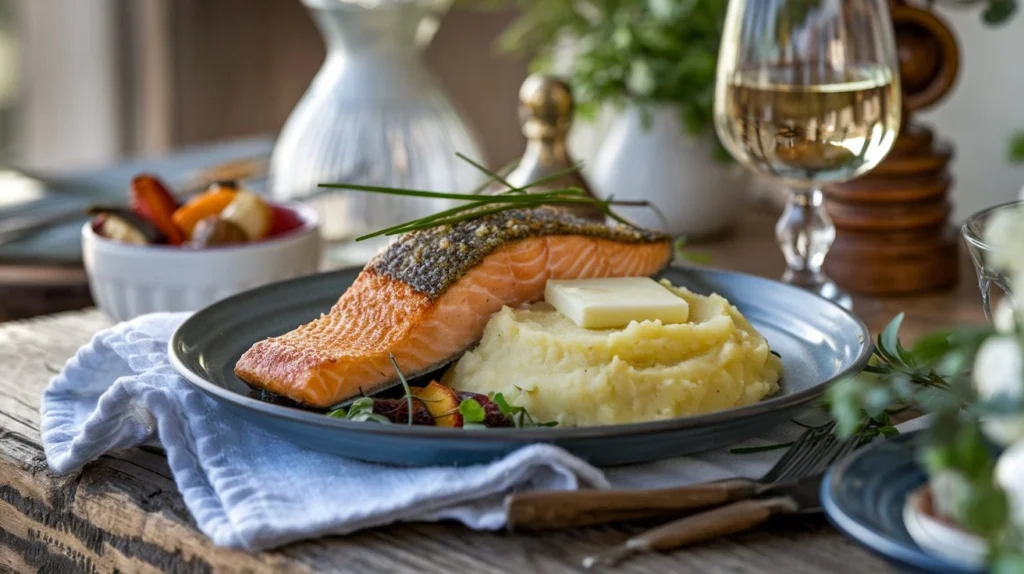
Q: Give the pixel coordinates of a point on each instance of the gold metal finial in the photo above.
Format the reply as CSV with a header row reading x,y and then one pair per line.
x,y
545,107
545,110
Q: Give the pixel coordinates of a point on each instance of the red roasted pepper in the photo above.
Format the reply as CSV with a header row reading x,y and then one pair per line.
x,y
152,201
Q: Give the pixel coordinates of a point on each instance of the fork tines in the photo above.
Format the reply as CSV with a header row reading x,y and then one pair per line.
x,y
811,454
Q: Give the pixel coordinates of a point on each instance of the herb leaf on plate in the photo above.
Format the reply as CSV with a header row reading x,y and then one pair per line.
x,y
472,412
520,418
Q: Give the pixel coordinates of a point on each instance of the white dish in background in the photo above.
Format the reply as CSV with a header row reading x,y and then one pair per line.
x,y
937,537
131,280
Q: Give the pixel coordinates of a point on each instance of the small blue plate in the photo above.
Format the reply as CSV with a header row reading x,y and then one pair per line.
x,y
863,496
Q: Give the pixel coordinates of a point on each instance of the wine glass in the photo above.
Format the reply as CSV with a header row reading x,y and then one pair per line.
x,y
808,93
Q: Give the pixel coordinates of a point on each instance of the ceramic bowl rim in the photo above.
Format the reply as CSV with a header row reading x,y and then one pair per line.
x,y
762,407
310,225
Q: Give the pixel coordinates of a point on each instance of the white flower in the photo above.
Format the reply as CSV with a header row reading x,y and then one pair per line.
x,y
998,371
1005,235
1003,318
1009,474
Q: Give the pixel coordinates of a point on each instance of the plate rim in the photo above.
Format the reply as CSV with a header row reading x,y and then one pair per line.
x,y
543,434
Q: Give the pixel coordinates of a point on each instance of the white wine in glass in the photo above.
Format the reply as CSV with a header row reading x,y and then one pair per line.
x,y
808,93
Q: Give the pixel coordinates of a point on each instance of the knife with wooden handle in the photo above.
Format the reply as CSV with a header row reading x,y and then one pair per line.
x,y
569,509
799,497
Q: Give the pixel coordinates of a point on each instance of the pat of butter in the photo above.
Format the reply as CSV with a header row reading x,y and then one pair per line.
x,y
615,302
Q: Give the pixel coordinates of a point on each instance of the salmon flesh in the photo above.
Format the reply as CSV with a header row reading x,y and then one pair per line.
x,y
427,298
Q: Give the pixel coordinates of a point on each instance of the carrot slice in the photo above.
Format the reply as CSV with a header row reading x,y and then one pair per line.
x,y
202,206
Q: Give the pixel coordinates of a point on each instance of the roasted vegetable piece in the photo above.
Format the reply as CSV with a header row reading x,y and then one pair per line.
x,y
494,418
209,203
397,411
97,223
248,211
214,231
152,201
282,220
442,402
119,224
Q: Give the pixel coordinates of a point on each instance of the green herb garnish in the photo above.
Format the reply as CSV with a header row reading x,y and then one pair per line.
x,y
360,410
762,448
472,412
518,415
405,385
681,253
477,205
929,377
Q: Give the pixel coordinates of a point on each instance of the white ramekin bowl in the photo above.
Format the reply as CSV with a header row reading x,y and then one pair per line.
x,y
131,280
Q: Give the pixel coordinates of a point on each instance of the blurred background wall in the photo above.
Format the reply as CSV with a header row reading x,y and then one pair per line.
x,y
84,82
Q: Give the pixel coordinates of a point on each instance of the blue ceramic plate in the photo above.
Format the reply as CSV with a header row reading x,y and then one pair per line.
x,y
863,496
818,341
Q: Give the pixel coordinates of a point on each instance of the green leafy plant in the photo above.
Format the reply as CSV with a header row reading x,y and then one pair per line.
x,y
998,11
934,377
898,379
1017,148
628,51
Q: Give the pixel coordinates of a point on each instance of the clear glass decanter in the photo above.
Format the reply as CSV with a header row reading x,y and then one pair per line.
x,y
373,115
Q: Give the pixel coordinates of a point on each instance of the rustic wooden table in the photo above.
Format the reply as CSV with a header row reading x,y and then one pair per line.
x,y
123,512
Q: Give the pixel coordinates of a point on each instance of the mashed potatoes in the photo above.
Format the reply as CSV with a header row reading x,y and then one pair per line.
x,y
541,360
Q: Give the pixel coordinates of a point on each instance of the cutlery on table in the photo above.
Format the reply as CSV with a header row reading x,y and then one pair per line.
x,y
811,454
798,497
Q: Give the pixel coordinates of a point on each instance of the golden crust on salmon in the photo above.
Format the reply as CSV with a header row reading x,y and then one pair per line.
x,y
428,297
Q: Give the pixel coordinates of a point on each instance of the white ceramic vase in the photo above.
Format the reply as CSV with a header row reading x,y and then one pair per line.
x,y
661,163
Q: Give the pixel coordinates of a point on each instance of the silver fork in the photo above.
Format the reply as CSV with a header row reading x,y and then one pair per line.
x,y
810,454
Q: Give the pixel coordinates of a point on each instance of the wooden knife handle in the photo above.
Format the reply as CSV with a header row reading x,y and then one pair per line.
x,y
568,509
711,524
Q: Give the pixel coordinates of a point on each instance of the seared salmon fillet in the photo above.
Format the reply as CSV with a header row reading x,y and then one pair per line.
x,y
427,298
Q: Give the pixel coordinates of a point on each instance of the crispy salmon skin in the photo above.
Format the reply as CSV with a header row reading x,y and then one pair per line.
x,y
428,297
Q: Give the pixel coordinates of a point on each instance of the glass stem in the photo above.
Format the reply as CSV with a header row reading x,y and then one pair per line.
x,y
805,234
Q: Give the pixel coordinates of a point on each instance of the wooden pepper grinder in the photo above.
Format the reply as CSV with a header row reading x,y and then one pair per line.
x,y
545,111
892,225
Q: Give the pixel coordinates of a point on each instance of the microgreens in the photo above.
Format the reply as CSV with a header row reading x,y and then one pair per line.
x,y
405,385
360,410
520,418
471,412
